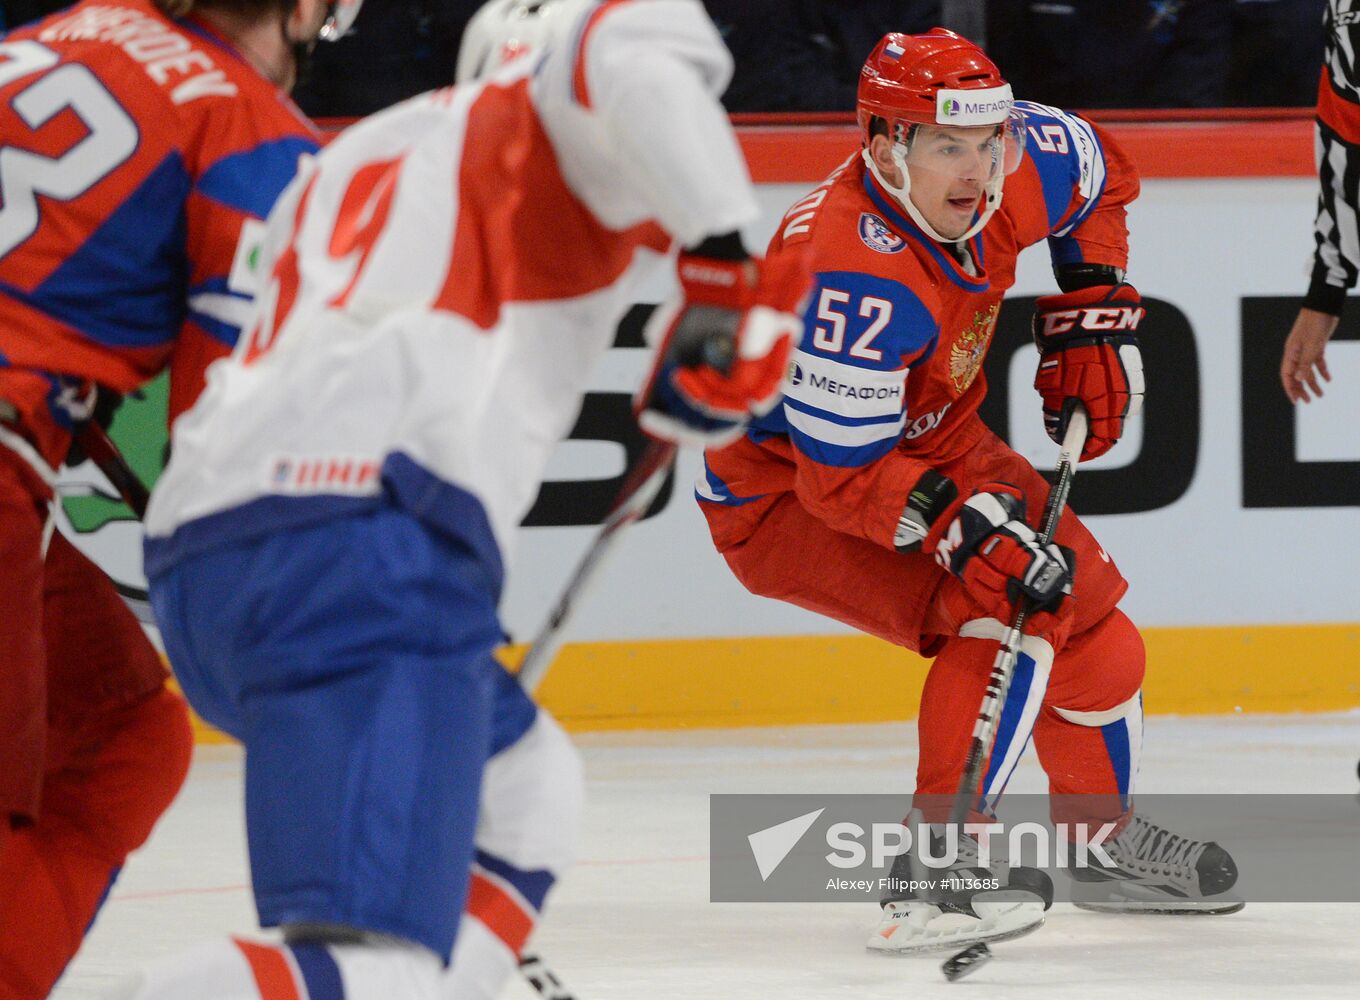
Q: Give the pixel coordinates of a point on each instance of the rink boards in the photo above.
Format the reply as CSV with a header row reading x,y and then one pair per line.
x,y
1235,518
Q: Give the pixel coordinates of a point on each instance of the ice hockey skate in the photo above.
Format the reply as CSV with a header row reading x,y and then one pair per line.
x,y
966,903
1157,871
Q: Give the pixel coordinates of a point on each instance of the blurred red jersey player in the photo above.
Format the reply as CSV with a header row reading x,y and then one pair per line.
x,y
142,146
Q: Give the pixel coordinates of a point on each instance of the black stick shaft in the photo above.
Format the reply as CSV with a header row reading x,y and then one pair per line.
x,y
998,684
105,454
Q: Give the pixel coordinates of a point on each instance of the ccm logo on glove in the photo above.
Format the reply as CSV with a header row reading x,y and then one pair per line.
x,y
1088,355
1097,318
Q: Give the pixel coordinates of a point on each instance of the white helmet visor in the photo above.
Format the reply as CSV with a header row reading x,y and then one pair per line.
x,y
970,152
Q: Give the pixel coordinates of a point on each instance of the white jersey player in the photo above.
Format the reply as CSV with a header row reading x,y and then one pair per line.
x,y
326,547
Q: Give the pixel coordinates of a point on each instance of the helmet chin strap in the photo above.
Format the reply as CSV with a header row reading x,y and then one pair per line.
x,y
902,195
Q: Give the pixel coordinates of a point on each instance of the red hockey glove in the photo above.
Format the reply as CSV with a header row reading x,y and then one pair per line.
x,y
723,348
984,541
1088,354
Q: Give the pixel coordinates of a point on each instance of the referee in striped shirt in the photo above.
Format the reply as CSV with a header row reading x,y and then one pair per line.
x,y
1336,260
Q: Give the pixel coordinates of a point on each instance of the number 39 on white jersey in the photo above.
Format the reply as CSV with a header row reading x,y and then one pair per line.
x,y
445,274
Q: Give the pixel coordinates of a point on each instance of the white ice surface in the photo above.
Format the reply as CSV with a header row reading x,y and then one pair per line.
x,y
633,922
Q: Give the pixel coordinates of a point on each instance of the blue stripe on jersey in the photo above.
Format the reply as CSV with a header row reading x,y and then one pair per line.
x,y
252,180
840,392
124,286
768,425
841,418
215,326
719,491
319,972
906,227
1057,178
842,456
1061,167
909,331
532,885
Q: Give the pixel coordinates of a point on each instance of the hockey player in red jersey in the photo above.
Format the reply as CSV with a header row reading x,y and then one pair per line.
x,y
141,153
875,495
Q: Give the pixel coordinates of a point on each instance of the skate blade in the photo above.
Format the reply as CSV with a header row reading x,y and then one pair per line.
x,y
1207,907
946,941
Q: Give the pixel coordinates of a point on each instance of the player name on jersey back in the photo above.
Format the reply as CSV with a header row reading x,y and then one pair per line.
x,y
168,56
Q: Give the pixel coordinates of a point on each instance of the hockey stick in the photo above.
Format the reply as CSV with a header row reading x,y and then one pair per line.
x,y
998,684
639,489
693,344
101,450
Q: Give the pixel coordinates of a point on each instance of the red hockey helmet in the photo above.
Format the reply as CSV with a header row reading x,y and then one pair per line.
x,y
938,78
940,81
